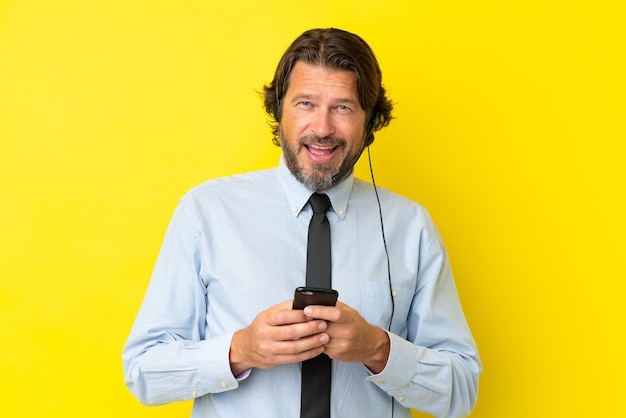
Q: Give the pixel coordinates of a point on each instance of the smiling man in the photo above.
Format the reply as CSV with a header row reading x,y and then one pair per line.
x,y
217,323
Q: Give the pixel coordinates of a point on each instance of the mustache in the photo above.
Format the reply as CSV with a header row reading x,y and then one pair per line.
x,y
324,140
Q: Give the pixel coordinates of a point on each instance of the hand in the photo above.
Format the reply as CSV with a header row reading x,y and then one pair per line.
x,y
276,336
352,339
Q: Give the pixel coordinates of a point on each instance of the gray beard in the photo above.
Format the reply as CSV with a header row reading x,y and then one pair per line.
x,y
317,182
321,176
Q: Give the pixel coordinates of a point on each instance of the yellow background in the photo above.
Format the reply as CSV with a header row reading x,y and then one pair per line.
x,y
509,129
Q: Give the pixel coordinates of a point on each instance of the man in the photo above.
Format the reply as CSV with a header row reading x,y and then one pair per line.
x,y
217,322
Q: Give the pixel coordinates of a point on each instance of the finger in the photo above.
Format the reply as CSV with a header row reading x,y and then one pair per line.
x,y
298,357
301,330
292,351
285,317
304,345
327,313
283,314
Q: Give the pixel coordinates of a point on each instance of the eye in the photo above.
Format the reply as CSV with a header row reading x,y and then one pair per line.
x,y
304,103
343,108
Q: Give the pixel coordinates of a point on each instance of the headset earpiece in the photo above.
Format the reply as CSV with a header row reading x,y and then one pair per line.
x,y
369,127
370,123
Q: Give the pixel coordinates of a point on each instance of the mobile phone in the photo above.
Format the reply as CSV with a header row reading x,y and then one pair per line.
x,y
305,296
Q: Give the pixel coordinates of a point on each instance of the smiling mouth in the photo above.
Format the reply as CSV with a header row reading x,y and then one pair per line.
x,y
321,154
320,149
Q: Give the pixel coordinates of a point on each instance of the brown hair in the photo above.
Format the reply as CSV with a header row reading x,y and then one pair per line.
x,y
335,49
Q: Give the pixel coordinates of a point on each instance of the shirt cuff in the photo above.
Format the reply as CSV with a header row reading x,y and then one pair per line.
x,y
243,375
400,368
215,371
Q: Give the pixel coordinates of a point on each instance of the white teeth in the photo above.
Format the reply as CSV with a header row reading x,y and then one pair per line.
x,y
320,148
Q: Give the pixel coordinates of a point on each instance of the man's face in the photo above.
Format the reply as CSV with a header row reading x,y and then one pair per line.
x,y
322,127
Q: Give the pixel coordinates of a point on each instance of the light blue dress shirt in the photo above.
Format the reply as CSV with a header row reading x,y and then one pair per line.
x,y
237,245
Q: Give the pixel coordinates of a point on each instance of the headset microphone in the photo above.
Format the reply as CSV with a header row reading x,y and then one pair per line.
x,y
335,179
340,175
368,130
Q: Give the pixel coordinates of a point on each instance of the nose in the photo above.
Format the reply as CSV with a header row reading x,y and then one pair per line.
x,y
322,123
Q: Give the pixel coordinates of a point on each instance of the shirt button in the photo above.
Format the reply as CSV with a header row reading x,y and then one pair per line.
x,y
394,293
381,382
223,384
341,211
401,398
194,393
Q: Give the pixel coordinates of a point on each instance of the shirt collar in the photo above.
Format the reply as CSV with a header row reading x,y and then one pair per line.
x,y
298,194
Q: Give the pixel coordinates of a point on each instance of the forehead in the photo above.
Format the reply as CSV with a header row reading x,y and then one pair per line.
x,y
317,80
